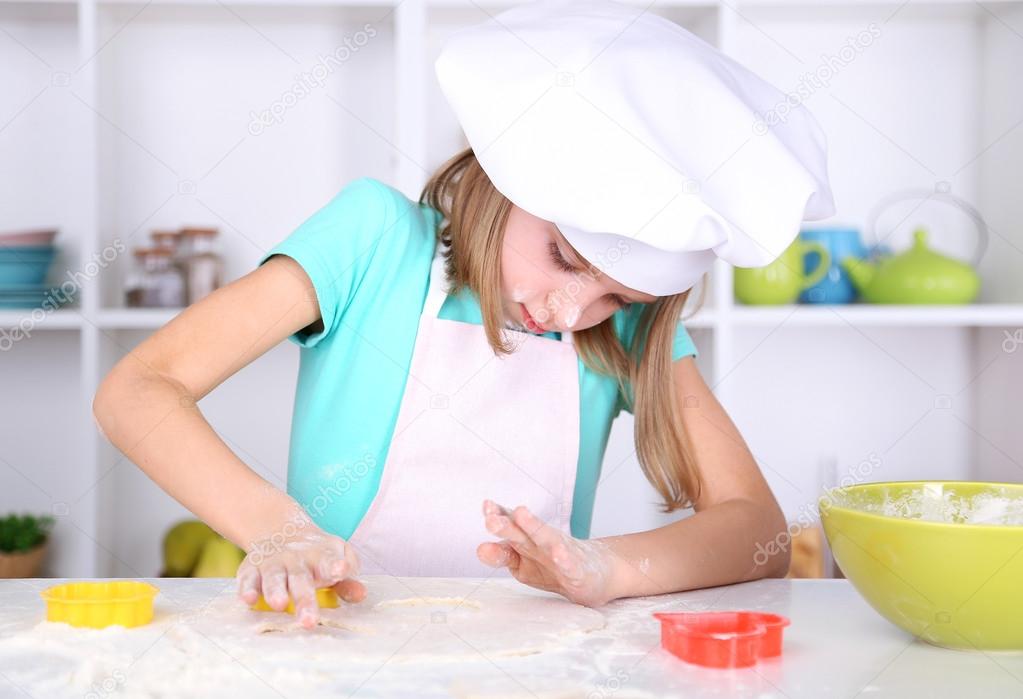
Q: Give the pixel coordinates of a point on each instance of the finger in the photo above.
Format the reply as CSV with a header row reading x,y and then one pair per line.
x,y
303,593
542,534
497,554
350,590
491,507
352,559
563,560
248,583
503,526
274,581
330,569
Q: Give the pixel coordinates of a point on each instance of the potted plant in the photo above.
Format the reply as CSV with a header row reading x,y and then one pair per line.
x,y
23,542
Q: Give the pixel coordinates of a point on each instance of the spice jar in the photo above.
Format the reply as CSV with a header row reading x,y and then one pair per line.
x,y
203,266
173,241
157,284
134,281
166,239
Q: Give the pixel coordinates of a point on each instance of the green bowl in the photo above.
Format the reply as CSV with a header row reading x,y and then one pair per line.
x,y
942,560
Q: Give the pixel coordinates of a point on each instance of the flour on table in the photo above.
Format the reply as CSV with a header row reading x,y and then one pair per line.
x,y
452,602
196,644
443,620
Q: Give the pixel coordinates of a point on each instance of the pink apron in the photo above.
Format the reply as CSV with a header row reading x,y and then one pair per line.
x,y
471,426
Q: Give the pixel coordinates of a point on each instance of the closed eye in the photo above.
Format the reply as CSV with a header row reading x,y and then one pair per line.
x,y
559,259
561,263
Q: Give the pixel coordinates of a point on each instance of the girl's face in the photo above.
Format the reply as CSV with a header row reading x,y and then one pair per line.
x,y
548,286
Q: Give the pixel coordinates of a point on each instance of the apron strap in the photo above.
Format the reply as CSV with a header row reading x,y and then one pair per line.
x,y
438,291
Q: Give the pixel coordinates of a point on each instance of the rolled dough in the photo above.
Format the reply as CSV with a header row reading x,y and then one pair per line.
x,y
434,620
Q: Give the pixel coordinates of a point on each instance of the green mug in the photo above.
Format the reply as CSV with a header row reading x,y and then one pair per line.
x,y
781,281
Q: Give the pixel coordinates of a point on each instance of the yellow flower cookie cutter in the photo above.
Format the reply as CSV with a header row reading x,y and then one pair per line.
x,y
96,605
325,597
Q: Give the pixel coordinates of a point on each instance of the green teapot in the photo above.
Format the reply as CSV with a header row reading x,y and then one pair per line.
x,y
919,275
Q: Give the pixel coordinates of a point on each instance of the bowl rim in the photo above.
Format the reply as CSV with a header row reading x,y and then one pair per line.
x,y
917,522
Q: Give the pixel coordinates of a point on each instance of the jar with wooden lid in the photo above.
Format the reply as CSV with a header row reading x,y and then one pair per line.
x,y
166,239
172,240
156,283
203,266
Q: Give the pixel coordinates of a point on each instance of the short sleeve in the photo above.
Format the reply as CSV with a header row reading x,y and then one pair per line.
x,y
683,346
335,246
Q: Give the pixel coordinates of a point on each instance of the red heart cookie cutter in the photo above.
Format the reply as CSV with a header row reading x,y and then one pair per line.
x,y
722,639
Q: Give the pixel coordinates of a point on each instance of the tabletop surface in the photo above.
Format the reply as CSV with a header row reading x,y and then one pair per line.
x,y
201,642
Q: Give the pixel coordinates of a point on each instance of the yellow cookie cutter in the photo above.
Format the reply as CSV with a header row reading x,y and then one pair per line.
x,y
96,605
325,598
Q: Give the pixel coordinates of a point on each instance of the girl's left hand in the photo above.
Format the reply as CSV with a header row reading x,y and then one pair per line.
x,y
543,557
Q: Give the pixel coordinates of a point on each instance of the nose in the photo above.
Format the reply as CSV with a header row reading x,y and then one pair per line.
x,y
564,309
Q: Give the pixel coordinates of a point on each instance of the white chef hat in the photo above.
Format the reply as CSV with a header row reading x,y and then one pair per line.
x,y
652,151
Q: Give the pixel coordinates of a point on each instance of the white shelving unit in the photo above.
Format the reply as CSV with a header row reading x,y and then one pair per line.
x,y
121,116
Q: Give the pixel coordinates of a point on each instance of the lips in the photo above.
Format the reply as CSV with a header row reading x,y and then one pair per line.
x,y
531,324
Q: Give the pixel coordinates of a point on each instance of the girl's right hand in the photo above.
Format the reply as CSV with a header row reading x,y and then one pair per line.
x,y
297,564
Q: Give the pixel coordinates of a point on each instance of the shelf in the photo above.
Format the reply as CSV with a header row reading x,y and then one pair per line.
x,y
72,318
873,4
795,315
703,318
806,315
136,318
27,321
282,4
502,4
710,4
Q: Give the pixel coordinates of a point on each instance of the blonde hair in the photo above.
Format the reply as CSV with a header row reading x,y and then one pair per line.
x,y
472,230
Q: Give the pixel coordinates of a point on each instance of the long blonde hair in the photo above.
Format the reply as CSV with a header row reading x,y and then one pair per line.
x,y
472,231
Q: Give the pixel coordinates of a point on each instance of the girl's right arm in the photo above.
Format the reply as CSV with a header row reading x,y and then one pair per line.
x,y
146,406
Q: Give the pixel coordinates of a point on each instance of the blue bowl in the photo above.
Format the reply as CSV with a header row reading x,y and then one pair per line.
x,y
25,265
19,251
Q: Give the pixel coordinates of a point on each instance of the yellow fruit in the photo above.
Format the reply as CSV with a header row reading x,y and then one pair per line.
x,y
219,559
182,544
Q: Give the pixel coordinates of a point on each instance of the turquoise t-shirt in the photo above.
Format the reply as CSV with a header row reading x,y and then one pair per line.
x,y
368,253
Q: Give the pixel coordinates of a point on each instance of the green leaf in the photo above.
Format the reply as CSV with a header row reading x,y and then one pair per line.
x,y
23,532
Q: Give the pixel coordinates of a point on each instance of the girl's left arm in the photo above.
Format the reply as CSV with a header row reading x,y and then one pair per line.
x,y
736,517
729,538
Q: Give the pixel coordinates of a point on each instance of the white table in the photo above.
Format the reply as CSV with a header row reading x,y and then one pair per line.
x,y
836,646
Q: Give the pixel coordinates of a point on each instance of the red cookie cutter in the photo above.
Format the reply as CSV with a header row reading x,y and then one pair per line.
x,y
722,639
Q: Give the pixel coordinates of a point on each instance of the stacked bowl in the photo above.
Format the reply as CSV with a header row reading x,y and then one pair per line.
x,y
25,259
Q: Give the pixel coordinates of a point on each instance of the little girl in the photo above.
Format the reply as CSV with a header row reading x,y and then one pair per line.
x,y
464,355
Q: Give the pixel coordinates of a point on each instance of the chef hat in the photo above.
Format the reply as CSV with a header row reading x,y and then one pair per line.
x,y
646,146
